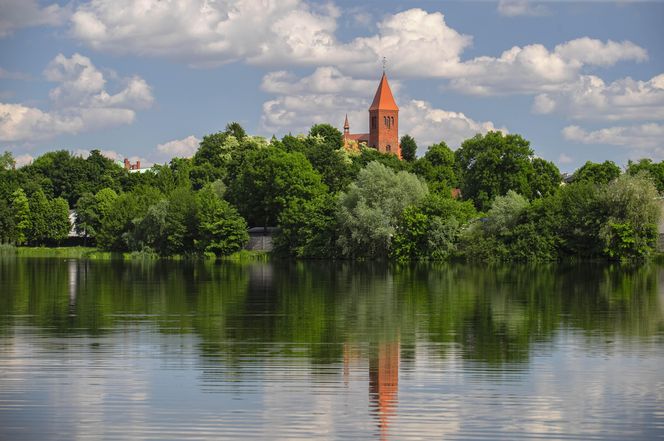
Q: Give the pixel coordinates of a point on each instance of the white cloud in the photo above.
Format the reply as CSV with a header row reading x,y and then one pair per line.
x,y
564,159
533,68
17,14
80,102
182,148
429,125
590,98
323,80
515,8
645,138
22,160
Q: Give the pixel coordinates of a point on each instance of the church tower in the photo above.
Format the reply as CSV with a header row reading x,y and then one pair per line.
x,y
384,120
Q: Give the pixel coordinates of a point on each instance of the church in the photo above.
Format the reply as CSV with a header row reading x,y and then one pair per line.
x,y
383,123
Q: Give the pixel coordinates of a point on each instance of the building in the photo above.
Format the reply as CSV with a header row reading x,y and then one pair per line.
x,y
132,167
383,123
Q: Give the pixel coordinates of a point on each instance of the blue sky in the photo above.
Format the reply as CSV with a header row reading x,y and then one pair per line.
x,y
147,79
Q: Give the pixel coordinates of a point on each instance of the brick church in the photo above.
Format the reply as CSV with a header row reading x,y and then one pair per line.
x,y
383,123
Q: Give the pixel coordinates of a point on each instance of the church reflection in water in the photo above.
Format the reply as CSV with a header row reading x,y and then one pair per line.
x,y
384,361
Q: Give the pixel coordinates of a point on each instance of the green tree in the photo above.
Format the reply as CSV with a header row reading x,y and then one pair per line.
x,y
7,227
7,161
267,179
58,220
437,168
307,228
368,212
408,148
20,208
597,173
545,179
430,230
654,169
332,136
39,217
235,129
222,230
633,212
490,165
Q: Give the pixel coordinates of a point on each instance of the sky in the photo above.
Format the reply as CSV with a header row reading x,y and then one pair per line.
x,y
147,79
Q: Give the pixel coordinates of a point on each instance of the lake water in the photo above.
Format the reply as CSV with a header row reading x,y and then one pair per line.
x,y
177,350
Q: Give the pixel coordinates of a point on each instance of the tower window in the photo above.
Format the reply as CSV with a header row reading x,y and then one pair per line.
x,y
388,148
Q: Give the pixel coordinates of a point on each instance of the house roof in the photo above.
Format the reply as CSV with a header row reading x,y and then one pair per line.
x,y
383,99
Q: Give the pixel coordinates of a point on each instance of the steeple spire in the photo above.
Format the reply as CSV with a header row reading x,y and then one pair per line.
x,y
384,100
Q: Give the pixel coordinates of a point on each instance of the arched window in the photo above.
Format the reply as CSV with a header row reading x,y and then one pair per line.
x,y
385,120
392,122
388,148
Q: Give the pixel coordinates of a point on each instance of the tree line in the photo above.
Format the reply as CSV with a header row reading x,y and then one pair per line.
x,y
491,199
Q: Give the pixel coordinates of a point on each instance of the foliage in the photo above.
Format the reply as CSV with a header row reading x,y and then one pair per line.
x,y
437,168
630,230
307,228
331,135
596,173
222,230
545,179
267,180
408,148
368,212
490,165
654,169
20,209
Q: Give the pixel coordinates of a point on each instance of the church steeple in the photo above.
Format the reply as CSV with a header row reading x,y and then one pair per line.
x,y
384,120
384,99
346,126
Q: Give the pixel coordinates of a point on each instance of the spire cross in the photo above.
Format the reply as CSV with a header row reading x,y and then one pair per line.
x,y
384,64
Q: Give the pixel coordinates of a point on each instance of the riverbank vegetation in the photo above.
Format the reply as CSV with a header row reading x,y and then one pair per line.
x,y
491,199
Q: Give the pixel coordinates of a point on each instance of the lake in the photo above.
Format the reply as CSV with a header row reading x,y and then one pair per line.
x,y
320,350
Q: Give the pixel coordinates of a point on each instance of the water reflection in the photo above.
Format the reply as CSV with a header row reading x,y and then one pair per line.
x,y
414,351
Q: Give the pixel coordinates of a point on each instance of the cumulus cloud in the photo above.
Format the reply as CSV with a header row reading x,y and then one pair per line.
x,y
182,148
429,125
534,68
644,138
323,80
515,8
24,159
17,14
80,102
564,159
592,99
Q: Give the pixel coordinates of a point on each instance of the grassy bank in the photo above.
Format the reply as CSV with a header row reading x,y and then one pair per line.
x,y
95,254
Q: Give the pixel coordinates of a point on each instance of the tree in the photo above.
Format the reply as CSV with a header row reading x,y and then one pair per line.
x,y
633,212
368,212
267,180
332,136
235,129
545,179
7,227
408,148
490,165
307,228
58,220
39,217
221,229
7,161
654,169
20,208
437,168
597,173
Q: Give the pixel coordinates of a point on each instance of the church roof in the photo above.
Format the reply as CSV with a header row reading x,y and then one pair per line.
x,y
384,99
